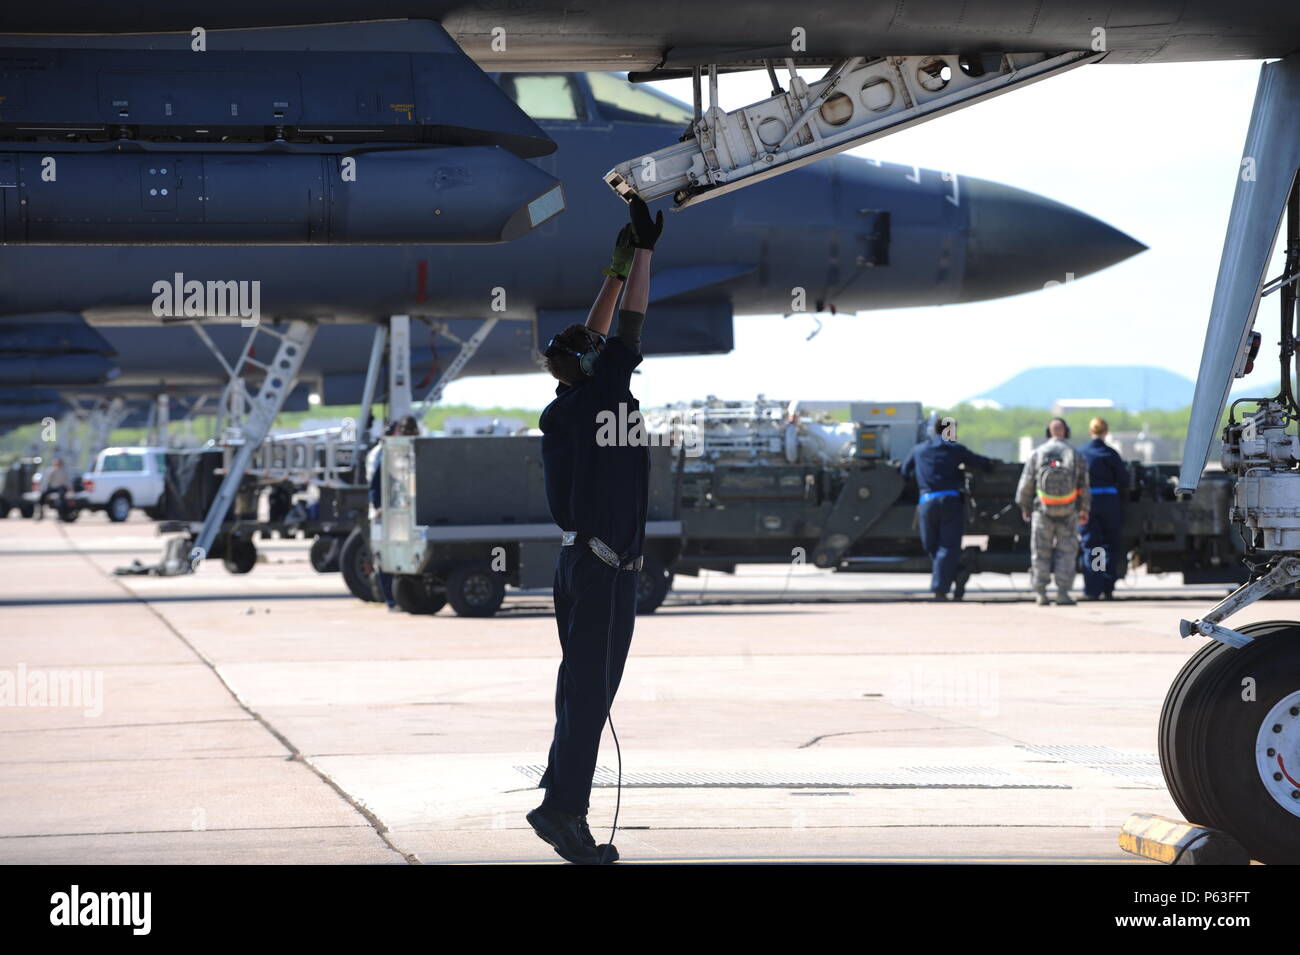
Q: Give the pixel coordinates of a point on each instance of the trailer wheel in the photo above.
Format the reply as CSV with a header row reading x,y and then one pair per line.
x,y
325,554
241,554
1230,740
652,585
5,508
475,590
69,513
416,594
27,509
435,598
357,565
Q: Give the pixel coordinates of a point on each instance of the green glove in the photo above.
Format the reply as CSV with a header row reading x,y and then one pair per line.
x,y
621,262
646,229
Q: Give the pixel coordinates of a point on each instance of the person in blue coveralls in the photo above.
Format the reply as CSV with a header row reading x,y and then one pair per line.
x,y
937,466
1103,540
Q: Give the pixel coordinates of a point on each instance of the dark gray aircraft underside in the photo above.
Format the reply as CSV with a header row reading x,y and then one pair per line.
x,y
618,34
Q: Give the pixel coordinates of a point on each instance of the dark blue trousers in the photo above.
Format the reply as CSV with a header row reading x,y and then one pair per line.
x,y
940,520
584,588
1103,544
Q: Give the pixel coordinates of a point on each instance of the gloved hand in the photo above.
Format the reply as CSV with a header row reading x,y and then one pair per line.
x,y
621,262
647,230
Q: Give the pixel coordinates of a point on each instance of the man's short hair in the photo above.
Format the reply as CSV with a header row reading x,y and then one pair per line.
x,y
563,365
1097,427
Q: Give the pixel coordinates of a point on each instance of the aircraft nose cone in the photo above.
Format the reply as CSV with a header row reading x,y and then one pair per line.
x,y
1018,241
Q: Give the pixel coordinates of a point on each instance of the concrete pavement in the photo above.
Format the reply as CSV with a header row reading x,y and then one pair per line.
x,y
780,714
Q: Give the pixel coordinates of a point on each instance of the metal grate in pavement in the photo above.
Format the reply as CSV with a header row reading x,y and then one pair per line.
x,y
914,777
1140,768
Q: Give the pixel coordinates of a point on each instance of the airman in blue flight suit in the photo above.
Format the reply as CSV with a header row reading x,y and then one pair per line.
x,y
936,465
1103,535
598,493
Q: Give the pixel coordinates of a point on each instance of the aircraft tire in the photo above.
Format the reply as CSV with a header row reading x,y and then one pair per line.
x,y
1229,720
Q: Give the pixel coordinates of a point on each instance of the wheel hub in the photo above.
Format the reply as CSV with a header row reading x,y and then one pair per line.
x,y
1277,752
478,590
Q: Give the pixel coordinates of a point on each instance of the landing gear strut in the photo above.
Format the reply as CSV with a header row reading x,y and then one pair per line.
x,y
1230,729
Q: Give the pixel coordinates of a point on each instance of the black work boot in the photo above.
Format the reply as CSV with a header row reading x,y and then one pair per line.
x,y
606,852
567,833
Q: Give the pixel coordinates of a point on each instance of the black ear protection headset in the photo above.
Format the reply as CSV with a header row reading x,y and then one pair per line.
x,y
586,359
1047,432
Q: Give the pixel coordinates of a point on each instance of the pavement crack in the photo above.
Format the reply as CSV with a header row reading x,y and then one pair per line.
x,y
381,829
906,729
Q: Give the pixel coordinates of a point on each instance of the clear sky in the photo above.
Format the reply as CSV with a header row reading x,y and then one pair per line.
x,y
1152,150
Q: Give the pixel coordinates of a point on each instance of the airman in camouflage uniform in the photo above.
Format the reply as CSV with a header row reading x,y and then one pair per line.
x,y
1054,498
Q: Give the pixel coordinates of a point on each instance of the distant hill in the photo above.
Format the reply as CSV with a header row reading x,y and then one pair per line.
x,y
1132,387
1260,389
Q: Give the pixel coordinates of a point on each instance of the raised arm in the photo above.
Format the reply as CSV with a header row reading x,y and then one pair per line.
x,y
602,310
636,295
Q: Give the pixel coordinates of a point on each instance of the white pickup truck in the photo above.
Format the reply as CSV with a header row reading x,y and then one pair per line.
x,y
123,478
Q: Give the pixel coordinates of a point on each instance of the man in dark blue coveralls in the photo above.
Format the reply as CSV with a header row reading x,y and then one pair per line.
x,y
1103,535
936,465
597,486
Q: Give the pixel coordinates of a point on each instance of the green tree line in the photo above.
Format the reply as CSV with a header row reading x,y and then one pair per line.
x,y
978,428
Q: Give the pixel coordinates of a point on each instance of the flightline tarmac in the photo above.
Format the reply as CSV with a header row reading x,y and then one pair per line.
x,y
784,714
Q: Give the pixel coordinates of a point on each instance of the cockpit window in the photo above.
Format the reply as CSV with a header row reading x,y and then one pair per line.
x,y
627,102
544,95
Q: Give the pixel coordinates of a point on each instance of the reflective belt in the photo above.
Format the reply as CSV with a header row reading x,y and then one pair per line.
x,y
601,550
1105,490
932,495
1058,501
